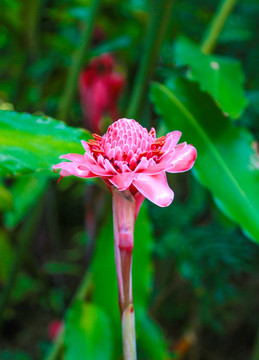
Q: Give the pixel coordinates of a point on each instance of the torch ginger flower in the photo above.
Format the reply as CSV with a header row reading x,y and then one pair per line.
x,y
130,157
132,162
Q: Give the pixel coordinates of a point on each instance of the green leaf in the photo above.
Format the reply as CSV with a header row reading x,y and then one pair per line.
x,y
142,265
6,199
31,143
105,293
150,333
222,77
118,43
226,164
25,286
26,191
87,333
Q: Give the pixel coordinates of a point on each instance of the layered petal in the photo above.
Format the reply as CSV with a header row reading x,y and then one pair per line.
x,y
74,157
97,170
155,188
183,159
171,140
139,198
122,181
71,168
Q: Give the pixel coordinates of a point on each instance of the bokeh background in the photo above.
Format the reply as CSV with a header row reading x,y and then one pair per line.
x,y
196,263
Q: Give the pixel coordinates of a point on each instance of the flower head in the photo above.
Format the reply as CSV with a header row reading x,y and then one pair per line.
x,y
130,157
100,87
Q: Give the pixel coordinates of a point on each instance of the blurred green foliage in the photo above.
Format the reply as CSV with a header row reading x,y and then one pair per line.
x,y
195,270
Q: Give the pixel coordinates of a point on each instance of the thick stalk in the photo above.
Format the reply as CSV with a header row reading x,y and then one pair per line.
x,y
216,26
79,57
159,18
124,221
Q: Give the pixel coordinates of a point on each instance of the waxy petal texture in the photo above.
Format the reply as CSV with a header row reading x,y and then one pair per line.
x,y
155,188
130,157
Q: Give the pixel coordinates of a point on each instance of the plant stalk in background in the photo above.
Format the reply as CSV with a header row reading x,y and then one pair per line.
x,y
72,78
216,25
160,11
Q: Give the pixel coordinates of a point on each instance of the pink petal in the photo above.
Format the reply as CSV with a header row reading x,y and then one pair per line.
x,y
184,158
142,165
73,157
85,145
171,140
122,181
109,167
139,198
70,168
63,173
155,188
89,158
98,170
153,169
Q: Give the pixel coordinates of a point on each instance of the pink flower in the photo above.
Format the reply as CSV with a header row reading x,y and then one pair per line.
x,y
54,329
130,157
100,87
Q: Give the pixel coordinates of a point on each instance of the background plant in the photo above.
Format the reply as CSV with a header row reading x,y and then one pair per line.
x,y
195,264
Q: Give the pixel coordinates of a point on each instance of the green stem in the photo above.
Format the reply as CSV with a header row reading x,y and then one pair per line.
x,y
159,19
216,26
80,295
32,11
78,60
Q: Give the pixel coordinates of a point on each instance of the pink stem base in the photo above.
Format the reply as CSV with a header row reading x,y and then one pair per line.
x,y
124,221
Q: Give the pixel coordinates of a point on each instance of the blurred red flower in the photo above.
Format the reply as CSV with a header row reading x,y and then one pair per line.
x,y
100,87
54,329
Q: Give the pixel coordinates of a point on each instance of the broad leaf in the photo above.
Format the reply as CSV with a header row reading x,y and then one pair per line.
x,y
142,265
26,191
105,293
6,199
226,164
31,143
149,336
222,77
87,333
